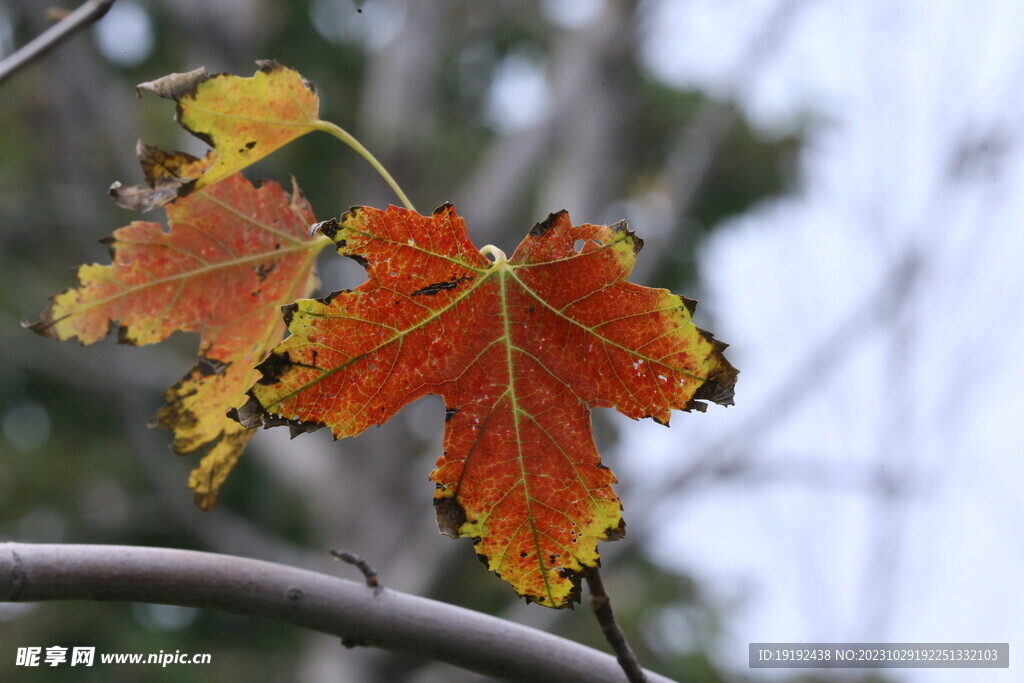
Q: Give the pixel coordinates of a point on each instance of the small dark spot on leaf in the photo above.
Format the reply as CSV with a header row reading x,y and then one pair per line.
x,y
449,413
288,312
273,367
210,366
450,516
350,216
268,65
720,385
359,259
483,558
699,406
614,534
434,288
329,227
109,243
264,269
332,296
621,226
252,414
539,229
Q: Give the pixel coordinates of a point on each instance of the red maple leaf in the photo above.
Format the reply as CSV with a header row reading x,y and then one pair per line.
x,y
521,350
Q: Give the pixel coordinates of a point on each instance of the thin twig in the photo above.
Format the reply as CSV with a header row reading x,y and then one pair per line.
x,y
393,621
88,13
362,565
602,606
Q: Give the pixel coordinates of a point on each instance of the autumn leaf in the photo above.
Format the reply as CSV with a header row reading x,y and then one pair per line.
x,y
521,350
241,119
234,253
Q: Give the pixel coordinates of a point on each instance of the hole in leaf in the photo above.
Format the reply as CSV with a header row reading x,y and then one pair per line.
x,y
578,244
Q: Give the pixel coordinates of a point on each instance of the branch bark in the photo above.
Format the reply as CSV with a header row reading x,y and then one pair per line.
x,y
86,14
391,620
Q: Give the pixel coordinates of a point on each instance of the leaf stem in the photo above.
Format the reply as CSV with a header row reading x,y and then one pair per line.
x,y
346,137
493,251
602,606
320,242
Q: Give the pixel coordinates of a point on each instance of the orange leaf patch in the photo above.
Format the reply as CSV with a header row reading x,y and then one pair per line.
x,y
234,253
521,350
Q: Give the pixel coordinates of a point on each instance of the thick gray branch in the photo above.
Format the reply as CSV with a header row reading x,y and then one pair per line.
x,y
350,610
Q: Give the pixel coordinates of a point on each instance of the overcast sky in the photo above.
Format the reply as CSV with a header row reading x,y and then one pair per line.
x,y
912,175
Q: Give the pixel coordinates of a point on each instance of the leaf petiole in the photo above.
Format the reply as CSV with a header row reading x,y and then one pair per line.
x,y
320,241
346,137
491,250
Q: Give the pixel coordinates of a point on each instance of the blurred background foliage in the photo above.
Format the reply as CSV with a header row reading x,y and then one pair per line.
x,y
511,110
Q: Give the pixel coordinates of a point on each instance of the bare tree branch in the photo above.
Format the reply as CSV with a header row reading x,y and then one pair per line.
x,y
390,620
88,13
362,565
613,633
